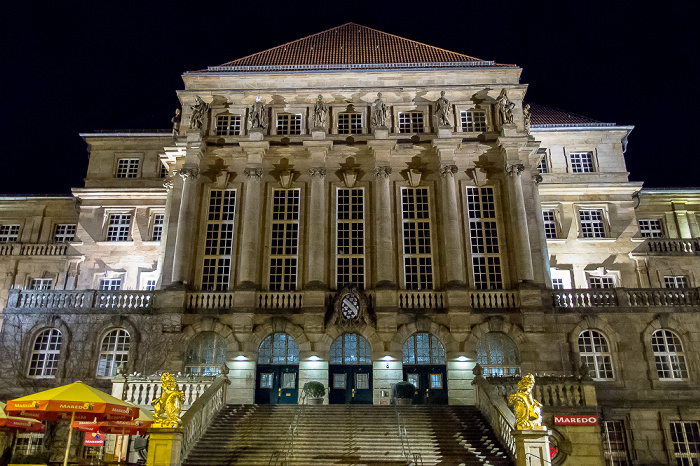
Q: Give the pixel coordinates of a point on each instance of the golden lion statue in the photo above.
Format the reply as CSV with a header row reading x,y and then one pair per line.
x,y
528,411
169,405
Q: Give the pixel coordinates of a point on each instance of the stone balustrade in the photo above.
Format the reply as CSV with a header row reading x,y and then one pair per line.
x,y
142,390
496,411
662,297
594,297
667,246
279,300
494,299
422,300
33,249
202,412
552,391
210,300
81,299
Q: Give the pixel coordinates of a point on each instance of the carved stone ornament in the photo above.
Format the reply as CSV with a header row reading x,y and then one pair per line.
x,y
317,172
188,173
199,112
527,118
286,178
505,107
350,308
380,112
320,113
515,169
528,411
448,170
442,111
382,171
253,172
257,115
168,184
350,177
414,177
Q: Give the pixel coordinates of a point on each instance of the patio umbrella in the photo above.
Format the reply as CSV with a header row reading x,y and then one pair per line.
x,y
77,399
137,426
18,423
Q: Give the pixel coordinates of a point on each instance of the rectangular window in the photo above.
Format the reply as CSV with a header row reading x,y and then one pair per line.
x,y
266,380
483,236
349,123
676,281
64,233
157,231
110,284
127,168
289,380
339,381
362,381
581,162
289,123
473,121
163,170
118,227
9,233
602,281
557,283
550,224
615,443
592,225
350,242
435,380
150,285
417,248
411,122
284,246
542,166
685,437
413,379
650,228
218,244
228,125
561,279
41,284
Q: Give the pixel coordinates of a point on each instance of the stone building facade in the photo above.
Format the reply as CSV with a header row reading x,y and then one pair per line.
x,y
359,209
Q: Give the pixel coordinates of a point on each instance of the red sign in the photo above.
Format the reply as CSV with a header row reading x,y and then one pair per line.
x,y
94,439
576,420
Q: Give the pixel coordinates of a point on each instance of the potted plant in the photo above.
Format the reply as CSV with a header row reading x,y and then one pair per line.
x,y
403,393
314,391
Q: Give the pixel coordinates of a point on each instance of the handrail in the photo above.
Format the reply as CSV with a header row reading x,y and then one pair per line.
x,y
288,447
412,459
495,409
202,412
529,456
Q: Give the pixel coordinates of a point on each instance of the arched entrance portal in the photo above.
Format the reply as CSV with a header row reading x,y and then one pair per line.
x,y
277,375
424,366
350,370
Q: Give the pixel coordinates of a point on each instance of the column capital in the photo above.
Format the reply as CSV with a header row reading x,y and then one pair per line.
x,y
317,172
448,169
168,184
188,172
515,168
382,171
253,172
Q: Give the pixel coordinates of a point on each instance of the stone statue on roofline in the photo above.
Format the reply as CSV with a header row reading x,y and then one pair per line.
x,y
505,108
176,122
199,113
526,117
256,115
379,112
442,110
320,113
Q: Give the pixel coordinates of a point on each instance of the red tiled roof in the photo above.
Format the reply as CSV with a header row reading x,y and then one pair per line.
x,y
351,46
544,115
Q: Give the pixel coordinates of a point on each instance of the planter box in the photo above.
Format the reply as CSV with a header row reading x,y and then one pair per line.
x,y
314,401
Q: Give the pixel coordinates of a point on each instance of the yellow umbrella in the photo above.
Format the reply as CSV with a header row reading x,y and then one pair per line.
x,y
76,398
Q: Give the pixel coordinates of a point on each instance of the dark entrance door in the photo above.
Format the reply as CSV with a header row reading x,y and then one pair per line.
x,y
277,384
350,384
430,382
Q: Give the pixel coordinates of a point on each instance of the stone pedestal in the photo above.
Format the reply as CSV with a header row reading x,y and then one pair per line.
x,y
164,447
531,447
381,132
256,134
318,134
445,132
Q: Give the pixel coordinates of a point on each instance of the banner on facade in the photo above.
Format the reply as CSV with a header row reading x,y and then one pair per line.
x,y
575,420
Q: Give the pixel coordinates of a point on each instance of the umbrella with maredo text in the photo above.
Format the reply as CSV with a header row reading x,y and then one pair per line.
x,y
18,423
70,402
136,427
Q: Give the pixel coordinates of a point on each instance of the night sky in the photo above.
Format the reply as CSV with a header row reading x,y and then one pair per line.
x,y
70,67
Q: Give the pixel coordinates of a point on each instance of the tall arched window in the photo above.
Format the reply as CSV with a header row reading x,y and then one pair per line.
x,y
498,355
278,348
423,348
206,354
114,352
351,348
668,355
45,354
595,353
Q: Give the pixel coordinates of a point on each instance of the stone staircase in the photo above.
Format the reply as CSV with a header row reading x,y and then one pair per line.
x,y
348,435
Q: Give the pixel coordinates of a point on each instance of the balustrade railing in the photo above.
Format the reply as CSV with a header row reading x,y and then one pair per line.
x,y
33,249
672,246
142,390
210,300
200,414
494,299
662,297
555,391
595,297
279,300
495,409
52,299
422,300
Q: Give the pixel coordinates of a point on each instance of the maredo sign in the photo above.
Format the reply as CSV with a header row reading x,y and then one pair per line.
x,y
576,420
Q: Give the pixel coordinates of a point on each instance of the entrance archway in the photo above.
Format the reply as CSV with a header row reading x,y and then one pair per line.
x,y
277,374
350,370
424,366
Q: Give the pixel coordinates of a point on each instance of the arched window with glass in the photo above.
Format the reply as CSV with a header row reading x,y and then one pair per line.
x,y
278,348
206,354
498,355
350,348
46,353
114,352
595,354
669,356
423,348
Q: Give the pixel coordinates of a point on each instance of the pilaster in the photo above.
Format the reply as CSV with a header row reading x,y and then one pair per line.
x,y
386,270
250,225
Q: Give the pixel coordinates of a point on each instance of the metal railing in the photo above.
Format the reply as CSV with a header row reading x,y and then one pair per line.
x,y
198,418
412,459
284,455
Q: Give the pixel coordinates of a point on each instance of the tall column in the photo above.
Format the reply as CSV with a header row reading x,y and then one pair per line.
x,y
317,229
519,226
454,253
185,225
250,229
386,269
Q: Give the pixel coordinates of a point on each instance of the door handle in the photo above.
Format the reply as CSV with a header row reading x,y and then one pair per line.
x,y
353,393
427,393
